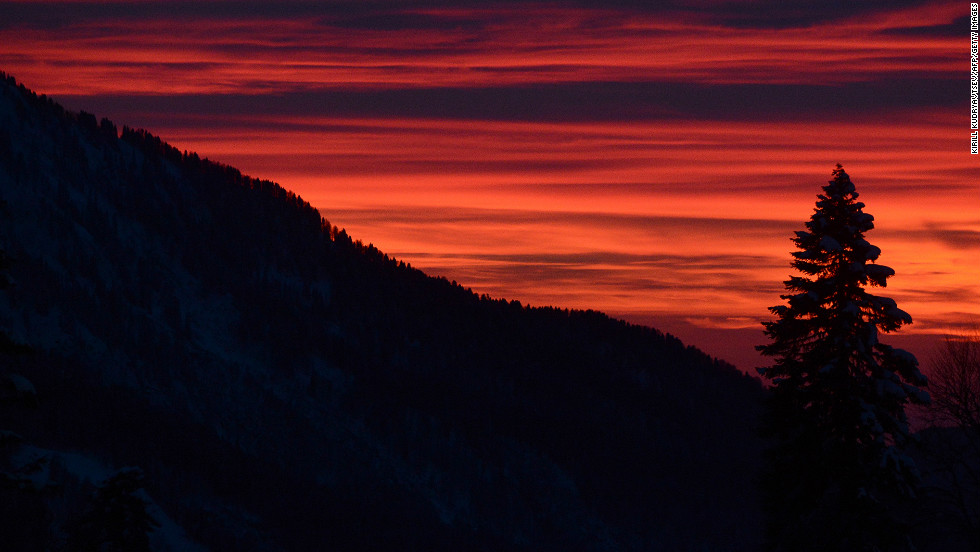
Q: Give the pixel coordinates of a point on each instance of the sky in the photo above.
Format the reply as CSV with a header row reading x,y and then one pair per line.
x,y
648,162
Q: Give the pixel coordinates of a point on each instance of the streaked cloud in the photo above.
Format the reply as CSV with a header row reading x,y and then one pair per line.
x,y
187,48
649,161
957,237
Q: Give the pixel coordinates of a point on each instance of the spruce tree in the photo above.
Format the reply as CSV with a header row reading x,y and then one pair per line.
x,y
837,476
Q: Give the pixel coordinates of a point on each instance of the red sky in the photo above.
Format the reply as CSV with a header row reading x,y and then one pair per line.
x,y
652,163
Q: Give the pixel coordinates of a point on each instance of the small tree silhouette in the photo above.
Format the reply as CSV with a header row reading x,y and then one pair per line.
x,y
952,449
837,410
117,519
955,383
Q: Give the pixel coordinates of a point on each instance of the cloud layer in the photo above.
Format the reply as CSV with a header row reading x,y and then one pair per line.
x,y
650,162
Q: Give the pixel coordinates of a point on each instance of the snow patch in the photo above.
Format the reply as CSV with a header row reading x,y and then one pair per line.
x,y
21,385
829,244
168,537
878,274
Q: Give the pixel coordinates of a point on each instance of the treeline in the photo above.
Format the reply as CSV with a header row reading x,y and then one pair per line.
x,y
284,386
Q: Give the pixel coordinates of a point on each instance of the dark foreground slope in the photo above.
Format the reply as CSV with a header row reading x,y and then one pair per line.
x,y
283,387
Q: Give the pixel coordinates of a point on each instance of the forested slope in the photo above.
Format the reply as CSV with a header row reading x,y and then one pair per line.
x,y
284,387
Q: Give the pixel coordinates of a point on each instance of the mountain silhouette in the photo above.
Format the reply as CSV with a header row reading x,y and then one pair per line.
x,y
282,386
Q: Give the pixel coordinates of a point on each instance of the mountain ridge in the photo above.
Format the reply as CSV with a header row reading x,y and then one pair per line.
x,y
354,402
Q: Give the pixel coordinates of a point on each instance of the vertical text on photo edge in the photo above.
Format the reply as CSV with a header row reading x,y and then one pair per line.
x,y
974,24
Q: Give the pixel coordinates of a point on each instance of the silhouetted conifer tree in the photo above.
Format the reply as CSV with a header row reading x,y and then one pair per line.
x,y
117,519
837,472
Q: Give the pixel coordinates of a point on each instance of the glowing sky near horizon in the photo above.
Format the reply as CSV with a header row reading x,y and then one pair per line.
x,y
652,163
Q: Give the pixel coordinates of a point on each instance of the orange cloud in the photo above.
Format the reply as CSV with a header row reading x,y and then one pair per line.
x,y
509,46
646,164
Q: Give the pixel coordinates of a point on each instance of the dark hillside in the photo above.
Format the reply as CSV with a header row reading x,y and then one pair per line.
x,y
284,387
